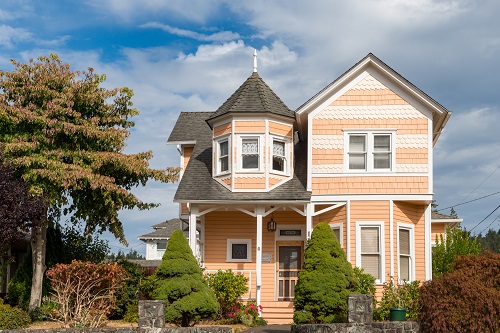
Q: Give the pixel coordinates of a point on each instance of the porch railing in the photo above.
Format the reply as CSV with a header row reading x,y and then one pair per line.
x,y
287,279
251,284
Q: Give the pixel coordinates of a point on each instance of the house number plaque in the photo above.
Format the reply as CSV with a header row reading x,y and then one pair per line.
x,y
267,257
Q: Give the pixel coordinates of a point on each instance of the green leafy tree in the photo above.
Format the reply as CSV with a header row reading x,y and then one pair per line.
x,y
455,242
490,241
64,134
180,283
325,281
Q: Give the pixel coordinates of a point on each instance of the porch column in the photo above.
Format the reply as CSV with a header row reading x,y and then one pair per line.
x,y
192,227
309,220
259,211
427,242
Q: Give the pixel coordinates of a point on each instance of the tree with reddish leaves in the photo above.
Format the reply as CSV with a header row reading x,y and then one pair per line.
x,y
63,135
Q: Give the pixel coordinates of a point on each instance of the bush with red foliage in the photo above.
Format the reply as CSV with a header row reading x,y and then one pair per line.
x,y
467,299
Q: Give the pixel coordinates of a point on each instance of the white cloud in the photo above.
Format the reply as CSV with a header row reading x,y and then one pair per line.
x,y
216,37
9,35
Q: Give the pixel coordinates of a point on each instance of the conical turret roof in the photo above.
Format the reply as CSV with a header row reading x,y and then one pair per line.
x,y
253,96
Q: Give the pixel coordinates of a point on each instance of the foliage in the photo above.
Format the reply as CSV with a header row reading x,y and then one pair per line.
x,y
365,282
325,281
132,313
405,295
85,293
132,254
180,283
466,299
227,287
63,135
63,246
248,315
490,241
128,296
12,317
455,242
45,311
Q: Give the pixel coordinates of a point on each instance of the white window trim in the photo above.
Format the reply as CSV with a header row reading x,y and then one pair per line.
x,y
217,142
229,252
260,140
280,227
379,224
411,228
340,227
369,134
287,168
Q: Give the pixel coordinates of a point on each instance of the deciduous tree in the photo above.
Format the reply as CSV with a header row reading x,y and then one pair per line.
x,y
64,134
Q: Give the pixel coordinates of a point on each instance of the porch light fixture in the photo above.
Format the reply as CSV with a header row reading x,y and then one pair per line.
x,y
271,225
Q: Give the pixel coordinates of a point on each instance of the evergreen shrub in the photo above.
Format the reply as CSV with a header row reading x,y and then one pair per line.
x,y
466,299
180,283
325,281
13,317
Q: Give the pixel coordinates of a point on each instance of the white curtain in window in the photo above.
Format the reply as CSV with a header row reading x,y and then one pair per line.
x,y
250,147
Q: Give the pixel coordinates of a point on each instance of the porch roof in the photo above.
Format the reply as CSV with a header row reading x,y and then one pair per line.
x,y
197,183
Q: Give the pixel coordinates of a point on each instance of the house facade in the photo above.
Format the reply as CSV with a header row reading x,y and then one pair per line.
x,y
257,177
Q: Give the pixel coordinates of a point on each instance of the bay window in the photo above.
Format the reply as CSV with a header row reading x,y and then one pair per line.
x,y
279,159
223,153
250,153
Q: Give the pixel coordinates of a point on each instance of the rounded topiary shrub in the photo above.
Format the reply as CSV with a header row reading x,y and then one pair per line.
x,y
180,283
325,282
466,299
13,317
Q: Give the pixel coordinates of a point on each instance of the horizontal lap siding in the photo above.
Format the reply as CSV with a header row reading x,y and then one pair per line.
x,y
250,126
249,183
337,215
356,97
222,129
220,226
437,229
336,126
411,214
280,129
327,156
371,211
370,185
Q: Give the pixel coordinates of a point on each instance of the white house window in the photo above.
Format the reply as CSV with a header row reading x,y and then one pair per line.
x,y
279,160
239,250
223,156
160,249
405,246
370,151
369,248
337,231
250,153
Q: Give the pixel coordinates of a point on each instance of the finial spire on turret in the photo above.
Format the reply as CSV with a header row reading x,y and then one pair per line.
x,y
255,60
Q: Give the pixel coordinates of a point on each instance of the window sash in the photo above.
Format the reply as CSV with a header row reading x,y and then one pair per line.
x,y
369,151
371,250
279,150
224,156
405,260
250,153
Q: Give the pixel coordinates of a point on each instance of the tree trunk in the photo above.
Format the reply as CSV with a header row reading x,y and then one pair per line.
x,y
38,251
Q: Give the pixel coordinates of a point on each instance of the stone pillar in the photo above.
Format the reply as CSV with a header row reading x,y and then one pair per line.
x,y
151,314
360,309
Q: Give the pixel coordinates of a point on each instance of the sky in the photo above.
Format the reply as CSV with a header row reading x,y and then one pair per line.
x,y
191,55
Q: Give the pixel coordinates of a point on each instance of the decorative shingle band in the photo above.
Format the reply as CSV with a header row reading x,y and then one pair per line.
x,y
412,141
370,112
369,83
328,141
412,168
328,168
339,168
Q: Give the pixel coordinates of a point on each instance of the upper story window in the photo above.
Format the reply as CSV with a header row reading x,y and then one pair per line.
x,y
224,156
369,151
250,154
279,159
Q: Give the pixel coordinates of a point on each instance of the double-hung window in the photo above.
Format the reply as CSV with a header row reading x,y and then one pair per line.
x,y
160,249
279,156
369,249
223,161
405,240
250,155
371,151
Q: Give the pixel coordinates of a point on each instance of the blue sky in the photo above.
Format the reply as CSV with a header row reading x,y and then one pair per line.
x,y
190,55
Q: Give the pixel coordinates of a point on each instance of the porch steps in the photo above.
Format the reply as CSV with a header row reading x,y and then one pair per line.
x,y
277,312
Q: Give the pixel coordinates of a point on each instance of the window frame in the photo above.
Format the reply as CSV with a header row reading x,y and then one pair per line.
x,y
286,151
157,250
369,151
338,226
229,249
260,140
218,141
380,226
411,255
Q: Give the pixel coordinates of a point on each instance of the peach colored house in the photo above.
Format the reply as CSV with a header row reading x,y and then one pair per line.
x,y
257,177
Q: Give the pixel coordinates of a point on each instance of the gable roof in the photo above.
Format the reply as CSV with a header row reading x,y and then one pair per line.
x,y
197,183
253,96
165,229
440,113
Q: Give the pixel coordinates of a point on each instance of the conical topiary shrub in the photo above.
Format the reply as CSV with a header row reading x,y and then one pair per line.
x,y
179,282
325,281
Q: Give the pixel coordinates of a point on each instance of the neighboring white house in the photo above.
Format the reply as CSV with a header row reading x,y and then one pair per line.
x,y
156,241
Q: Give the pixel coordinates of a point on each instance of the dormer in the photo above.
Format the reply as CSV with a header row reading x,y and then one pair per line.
x,y
252,139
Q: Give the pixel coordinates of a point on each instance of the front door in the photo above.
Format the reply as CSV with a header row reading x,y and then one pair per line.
x,y
290,263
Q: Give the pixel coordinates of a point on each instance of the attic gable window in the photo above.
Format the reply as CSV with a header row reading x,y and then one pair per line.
x,y
250,153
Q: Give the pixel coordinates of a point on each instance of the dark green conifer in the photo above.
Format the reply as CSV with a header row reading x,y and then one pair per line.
x,y
179,281
325,281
